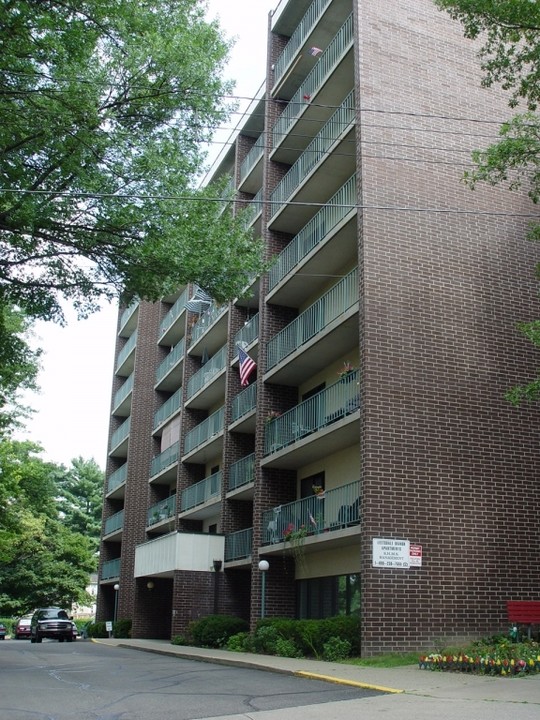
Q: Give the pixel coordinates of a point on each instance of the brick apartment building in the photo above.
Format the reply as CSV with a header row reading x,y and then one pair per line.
x,y
351,162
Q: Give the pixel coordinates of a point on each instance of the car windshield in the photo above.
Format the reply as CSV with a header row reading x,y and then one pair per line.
x,y
54,614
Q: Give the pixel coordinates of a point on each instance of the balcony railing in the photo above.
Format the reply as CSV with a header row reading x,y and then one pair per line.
x,y
297,39
201,492
126,350
319,411
248,333
244,402
314,81
168,408
242,472
206,320
317,150
162,510
123,391
314,232
253,157
238,545
254,209
128,312
110,569
176,310
211,368
172,359
114,523
314,319
205,430
121,433
333,510
165,459
117,478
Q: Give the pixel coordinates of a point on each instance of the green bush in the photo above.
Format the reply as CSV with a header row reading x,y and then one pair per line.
x,y
97,630
308,636
335,649
122,629
287,648
241,642
214,631
180,640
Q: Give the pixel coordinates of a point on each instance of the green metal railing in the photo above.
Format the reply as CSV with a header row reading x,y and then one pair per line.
x,y
175,311
201,492
208,371
244,402
123,391
238,545
330,58
165,459
333,510
314,232
168,408
110,569
297,39
172,359
126,350
317,150
121,434
242,472
248,333
162,510
213,425
206,320
314,319
115,522
254,209
253,157
117,478
128,312
324,408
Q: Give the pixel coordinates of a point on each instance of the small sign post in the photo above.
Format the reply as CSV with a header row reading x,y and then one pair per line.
x,y
108,627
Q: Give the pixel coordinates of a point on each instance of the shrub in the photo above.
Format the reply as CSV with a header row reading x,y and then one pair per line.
x,y
335,649
241,642
180,640
97,630
214,631
122,629
265,639
287,648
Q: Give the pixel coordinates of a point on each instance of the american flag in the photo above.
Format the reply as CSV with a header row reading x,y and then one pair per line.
x,y
247,366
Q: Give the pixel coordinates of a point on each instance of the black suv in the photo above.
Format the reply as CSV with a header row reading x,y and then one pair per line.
x,y
51,623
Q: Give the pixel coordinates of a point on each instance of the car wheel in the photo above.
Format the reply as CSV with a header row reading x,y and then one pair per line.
x,y
39,638
32,639
69,639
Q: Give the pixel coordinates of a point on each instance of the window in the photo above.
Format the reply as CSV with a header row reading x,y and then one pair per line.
x,y
307,484
325,597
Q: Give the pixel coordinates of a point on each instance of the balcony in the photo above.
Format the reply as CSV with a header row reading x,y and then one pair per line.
x,y
169,408
169,371
207,386
242,478
128,321
251,168
120,439
318,516
113,526
238,545
320,426
322,90
253,214
163,467
116,482
161,513
328,161
324,331
205,441
171,328
248,334
122,398
110,569
126,357
210,331
199,501
243,410
163,555
321,248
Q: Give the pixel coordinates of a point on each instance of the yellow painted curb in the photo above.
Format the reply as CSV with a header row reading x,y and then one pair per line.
x,y
338,681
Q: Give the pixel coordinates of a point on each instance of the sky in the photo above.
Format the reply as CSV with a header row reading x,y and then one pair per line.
x,y
72,409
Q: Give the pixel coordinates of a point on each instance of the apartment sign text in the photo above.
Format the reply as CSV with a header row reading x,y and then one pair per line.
x,y
391,553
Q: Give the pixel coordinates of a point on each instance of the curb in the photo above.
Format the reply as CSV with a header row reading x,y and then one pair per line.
x,y
340,681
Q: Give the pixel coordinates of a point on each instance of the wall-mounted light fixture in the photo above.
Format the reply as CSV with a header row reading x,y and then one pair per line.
x,y
150,584
217,565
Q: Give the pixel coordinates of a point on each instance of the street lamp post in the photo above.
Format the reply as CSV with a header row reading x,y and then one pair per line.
x,y
263,567
116,589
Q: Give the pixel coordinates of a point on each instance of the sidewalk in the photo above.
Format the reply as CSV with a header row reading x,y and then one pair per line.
x,y
408,680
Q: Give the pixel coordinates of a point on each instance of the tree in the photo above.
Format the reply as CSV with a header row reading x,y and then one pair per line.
x,y
104,109
81,498
510,56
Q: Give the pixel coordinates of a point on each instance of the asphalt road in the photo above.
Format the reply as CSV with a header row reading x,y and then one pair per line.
x,y
88,681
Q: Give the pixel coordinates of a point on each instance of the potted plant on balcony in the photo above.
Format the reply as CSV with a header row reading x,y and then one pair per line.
x,y
318,491
346,372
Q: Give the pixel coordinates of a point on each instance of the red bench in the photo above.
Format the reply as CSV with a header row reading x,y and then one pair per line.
x,y
524,612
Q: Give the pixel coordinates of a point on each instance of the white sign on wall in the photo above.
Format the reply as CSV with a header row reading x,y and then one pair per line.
x,y
394,553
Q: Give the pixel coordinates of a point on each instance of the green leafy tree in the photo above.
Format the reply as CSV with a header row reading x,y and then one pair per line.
x,y
509,33
81,498
104,110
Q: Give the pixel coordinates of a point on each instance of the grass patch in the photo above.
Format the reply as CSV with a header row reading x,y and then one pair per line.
x,y
387,660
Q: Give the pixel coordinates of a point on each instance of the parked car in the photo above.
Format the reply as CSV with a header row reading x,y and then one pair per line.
x,y
3,631
22,628
53,623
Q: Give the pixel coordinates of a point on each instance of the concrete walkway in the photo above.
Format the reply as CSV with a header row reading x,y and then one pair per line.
x,y
409,680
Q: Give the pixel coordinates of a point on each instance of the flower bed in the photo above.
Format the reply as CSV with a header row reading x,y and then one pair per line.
x,y
501,659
